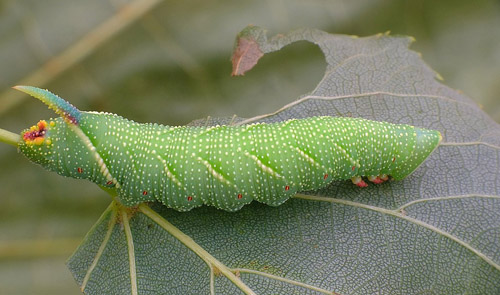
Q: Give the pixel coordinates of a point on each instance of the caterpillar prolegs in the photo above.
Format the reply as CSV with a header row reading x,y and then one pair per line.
x,y
222,166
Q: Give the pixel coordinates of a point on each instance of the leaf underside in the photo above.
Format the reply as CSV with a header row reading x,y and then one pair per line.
x,y
436,232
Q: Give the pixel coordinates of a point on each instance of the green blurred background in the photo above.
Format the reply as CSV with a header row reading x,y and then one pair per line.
x,y
168,62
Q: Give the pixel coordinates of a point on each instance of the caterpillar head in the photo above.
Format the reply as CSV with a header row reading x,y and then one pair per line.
x,y
36,142
60,144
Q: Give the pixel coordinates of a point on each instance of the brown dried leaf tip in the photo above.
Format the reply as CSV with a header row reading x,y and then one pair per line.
x,y
245,55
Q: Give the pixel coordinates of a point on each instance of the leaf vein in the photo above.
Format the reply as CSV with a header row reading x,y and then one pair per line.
x,y
401,208
470,143
197,249
131,252
102,247
282,279
398,214
310,97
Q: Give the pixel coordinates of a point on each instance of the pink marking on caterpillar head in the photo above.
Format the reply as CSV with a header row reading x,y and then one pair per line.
x,y
36,134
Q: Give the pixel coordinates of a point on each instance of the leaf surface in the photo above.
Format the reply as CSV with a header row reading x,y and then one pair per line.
x,y
436,232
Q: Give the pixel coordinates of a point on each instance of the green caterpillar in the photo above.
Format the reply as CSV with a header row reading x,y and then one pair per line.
x,y
222,166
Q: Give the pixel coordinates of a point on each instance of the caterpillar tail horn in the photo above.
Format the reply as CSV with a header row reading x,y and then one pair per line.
x,y
72,116
67,111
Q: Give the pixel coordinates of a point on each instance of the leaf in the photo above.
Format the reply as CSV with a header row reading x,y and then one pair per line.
x,y
246,54
435,232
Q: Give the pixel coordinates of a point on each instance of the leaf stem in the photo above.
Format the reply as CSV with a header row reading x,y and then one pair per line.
x,y
9,137
127,14
191,244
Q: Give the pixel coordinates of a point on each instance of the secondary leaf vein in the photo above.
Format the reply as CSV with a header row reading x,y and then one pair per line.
x,y
398,214
282,279
356,95
131,252
102,247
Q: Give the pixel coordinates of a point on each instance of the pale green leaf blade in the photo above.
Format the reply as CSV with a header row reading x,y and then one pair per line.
x,y
436,232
